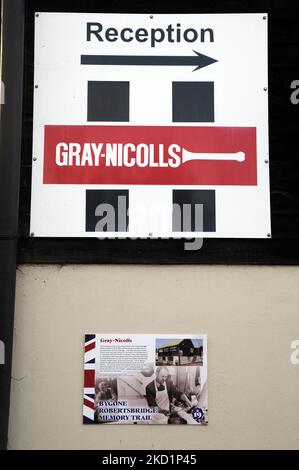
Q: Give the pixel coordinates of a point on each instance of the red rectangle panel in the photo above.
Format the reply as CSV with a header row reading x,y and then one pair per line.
x,y
150,155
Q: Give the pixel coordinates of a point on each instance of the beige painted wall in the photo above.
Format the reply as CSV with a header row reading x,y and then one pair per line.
x,y
250,314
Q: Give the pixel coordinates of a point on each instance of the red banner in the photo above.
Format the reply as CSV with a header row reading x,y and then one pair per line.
x,y
150,155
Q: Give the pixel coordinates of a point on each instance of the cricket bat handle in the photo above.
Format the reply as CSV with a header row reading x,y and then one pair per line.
x,y
188,156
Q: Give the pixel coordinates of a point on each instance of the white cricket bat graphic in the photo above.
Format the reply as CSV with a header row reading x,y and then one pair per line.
x,y
187,156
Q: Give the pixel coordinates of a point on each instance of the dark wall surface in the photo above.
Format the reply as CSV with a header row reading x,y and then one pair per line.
x,y
283,248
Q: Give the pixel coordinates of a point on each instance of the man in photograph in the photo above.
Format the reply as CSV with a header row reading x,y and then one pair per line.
x,y
105,392
160,393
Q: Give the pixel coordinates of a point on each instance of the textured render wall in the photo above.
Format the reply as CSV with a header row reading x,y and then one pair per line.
x,y
249,313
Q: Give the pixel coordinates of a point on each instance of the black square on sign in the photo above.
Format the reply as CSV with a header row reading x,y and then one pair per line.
x,y
107,210
193,101
194,210
108,101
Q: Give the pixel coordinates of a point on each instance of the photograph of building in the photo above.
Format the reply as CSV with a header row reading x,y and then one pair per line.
x,y
177,352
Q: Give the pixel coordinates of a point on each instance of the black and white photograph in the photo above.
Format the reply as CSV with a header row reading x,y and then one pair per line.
x,y
179,352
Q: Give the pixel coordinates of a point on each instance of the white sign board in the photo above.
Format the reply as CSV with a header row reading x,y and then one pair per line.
x,y
145,379
150,126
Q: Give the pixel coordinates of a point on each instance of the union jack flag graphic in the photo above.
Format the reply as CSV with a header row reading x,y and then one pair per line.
x,y
89,379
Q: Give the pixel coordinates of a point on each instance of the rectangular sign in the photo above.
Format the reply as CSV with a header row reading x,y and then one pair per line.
x,y
145,379
150,155
150,126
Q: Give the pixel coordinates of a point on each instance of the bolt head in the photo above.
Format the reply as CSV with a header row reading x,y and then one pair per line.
x,y
265,88
264,17
32,234
151,16
269,235
266,161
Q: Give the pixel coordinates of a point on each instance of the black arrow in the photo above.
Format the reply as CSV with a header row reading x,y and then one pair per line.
x,y
199,60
